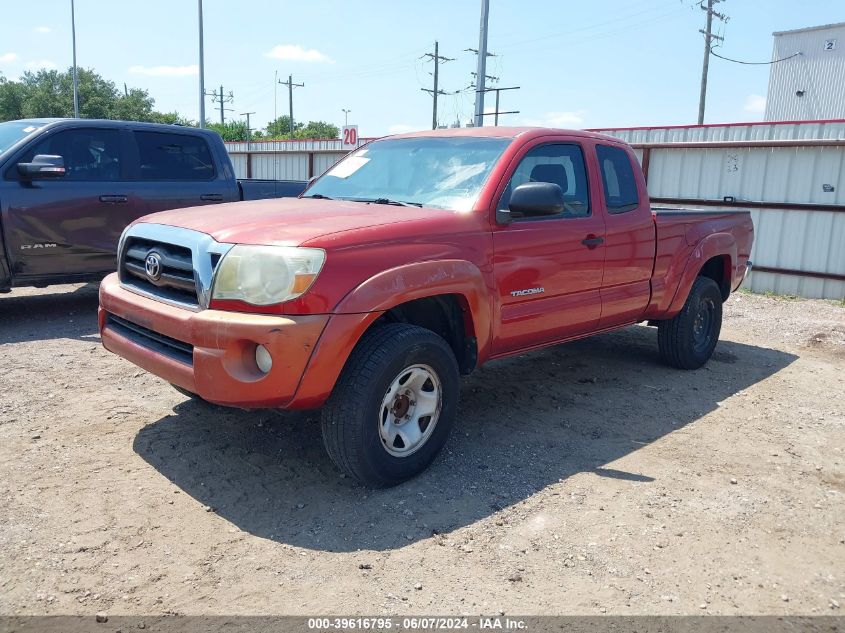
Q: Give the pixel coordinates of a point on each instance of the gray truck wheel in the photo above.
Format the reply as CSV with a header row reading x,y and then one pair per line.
x,y
393,406
687,341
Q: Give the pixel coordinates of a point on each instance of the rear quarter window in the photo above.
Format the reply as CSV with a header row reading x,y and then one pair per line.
x,y
617,175
165,156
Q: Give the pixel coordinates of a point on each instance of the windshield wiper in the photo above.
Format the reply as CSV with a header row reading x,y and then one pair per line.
x,y
398,203
317,196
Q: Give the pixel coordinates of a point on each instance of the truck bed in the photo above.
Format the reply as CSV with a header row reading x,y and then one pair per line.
x,y
680,229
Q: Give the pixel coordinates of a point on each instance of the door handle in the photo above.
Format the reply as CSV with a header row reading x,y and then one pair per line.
x,y
591,241
114,199
212,197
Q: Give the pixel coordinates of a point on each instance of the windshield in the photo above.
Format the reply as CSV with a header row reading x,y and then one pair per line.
x,y
13,131
445,173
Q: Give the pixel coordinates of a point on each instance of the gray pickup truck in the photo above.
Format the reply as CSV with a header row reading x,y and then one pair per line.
x,y
68,188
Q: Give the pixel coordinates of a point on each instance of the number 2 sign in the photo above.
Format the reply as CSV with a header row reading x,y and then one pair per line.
x,y
349,136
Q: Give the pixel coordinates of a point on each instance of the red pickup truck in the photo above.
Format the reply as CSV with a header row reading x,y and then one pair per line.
x,y
413,260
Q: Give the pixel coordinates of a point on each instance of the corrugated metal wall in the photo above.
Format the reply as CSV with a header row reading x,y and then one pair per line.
x,y
285,160
810,85
731,132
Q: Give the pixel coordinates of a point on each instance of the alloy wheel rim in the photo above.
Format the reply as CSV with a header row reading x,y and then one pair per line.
x,y
409,410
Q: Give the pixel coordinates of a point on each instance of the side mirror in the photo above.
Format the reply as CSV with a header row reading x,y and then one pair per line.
x,y
43,166
537,199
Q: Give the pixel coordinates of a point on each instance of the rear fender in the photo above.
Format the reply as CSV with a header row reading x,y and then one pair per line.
x,y
359,309
714,245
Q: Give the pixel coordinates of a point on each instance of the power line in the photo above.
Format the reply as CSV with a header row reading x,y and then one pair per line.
x,y
289,83
222,100
436,57
737,61
709,36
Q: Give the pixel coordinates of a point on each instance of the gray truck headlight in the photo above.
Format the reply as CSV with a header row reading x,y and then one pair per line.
x,y
265,275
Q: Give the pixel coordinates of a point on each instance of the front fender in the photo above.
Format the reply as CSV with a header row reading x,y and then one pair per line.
x,y
714,245
362,306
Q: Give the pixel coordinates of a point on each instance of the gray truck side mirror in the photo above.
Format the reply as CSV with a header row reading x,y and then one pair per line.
x,y
43,166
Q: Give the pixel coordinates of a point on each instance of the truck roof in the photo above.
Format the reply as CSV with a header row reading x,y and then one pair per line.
x,y
526,132
58,122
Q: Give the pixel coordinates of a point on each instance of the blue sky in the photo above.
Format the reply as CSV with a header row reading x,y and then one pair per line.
x,y
601,63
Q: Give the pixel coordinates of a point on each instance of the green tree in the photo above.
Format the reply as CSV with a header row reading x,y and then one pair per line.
x,y
318,129
279,128
231,130
49,93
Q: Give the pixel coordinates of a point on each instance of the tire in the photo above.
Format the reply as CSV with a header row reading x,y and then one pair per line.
x,y
687,341
374,423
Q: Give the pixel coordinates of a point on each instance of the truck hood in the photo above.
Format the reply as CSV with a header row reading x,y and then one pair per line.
x,y
287,221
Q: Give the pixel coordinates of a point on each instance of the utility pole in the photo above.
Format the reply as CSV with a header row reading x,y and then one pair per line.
x,y
248,129
289,83
482,64
708,38
497,111
222,100
436,58
75,77
202,69
345,116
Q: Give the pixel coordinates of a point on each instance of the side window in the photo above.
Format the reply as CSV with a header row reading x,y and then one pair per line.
x,y
561,164
89,154
165,156
617,176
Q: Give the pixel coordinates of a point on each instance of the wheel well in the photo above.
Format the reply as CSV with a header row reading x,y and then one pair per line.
x,y
719,270
447,316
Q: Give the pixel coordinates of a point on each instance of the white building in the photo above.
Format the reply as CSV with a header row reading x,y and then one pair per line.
x,y
810,84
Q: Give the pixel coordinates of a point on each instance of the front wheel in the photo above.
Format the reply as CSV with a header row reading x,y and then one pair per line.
x,y
687,341
393,406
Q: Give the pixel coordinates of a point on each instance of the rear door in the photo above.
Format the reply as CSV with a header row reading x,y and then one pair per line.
x,y
629,237
69,225
548,269
177,169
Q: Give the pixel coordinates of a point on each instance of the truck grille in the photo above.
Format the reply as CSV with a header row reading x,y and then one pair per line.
x,y
176,281
170,264
145,337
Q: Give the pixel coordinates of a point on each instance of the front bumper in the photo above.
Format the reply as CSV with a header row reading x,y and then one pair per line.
x,y
210,353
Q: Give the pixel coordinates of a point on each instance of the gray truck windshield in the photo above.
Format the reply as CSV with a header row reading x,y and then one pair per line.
x,y
445,173
13,131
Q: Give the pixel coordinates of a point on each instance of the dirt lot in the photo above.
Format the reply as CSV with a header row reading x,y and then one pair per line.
x,y
585,479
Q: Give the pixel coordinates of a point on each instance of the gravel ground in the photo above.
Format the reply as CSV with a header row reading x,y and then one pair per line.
x,y
582,479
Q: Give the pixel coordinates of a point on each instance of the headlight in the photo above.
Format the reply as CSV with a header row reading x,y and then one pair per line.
x,y
265,275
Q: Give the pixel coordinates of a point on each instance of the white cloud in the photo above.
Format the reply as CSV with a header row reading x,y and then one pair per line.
x,y
755,104
42,29
567,119
400,128
38,64
165,71
296,53
8,57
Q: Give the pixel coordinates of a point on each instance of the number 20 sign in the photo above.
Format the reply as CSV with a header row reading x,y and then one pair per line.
x,y
349,136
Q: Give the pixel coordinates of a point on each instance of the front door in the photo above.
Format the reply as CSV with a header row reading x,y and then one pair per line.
x,y
70,225
548,269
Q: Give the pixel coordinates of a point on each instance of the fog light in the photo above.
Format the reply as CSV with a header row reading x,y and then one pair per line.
x,y
263,359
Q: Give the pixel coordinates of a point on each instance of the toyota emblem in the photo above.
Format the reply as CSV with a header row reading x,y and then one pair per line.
x,y
152,266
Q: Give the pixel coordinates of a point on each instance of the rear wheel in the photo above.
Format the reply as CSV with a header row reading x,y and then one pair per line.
x,y
687,341
393,406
